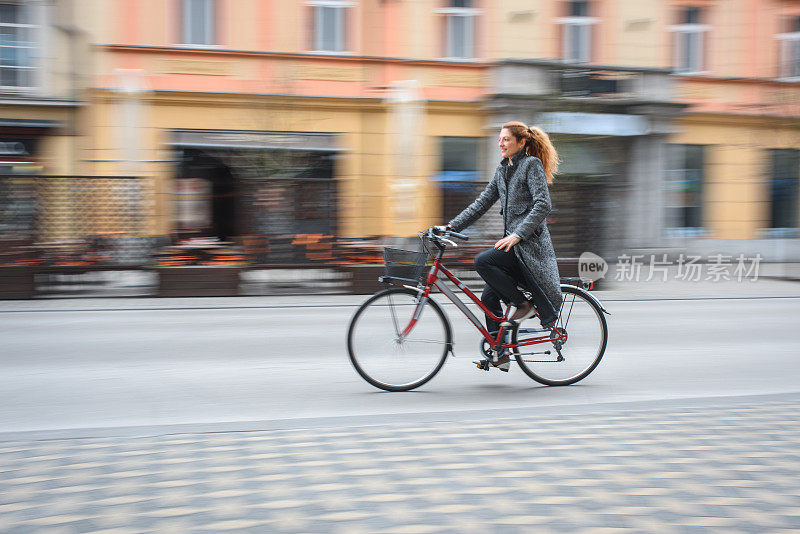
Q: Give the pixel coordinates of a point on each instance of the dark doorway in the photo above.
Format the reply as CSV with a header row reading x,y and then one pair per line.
x,y
208,196
577,223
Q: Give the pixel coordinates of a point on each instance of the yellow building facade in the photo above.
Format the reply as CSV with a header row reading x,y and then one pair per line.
x,y
731,168
227,79
393,106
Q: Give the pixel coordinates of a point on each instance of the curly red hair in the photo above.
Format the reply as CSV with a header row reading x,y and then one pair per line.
x,y
537,143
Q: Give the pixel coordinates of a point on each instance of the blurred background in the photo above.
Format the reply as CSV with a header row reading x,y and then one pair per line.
x,y
209,148
220,147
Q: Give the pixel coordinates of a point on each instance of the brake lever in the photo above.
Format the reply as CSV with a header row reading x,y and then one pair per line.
x,y
453,243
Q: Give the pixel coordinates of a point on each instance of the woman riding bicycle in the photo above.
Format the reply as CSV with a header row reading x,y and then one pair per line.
x,y
525,255
396,345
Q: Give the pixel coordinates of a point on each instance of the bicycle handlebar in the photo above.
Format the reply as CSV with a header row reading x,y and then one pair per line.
x,y
433,231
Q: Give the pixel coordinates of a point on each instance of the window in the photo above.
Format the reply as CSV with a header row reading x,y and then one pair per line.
x,y
576,40
198,22
685,180
790,50
459,158
689,41
17,46
459,29
784,176
329,25
458,173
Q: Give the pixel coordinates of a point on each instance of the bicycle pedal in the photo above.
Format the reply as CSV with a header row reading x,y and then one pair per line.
x,y
483,365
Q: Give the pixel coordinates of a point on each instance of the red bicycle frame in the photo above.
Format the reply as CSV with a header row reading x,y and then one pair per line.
x,y
433,280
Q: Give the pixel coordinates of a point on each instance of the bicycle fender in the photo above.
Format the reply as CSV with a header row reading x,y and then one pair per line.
x,y
590,297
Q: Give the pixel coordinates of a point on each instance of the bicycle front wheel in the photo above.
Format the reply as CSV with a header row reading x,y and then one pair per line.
x,y
582,322
383,355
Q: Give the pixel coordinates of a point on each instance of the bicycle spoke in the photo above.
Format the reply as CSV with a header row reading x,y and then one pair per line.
x,y
394,316
570,311
575,352
381,354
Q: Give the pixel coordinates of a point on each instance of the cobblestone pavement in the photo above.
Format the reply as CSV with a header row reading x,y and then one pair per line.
x,y
728,466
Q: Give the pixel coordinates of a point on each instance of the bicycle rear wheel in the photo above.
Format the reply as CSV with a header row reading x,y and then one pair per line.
x,y
385,358
582,321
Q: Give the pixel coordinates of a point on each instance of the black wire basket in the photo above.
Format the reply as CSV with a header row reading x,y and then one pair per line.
x,y
406,265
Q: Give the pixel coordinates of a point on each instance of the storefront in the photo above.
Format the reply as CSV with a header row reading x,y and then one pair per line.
x,y
268,186
20,161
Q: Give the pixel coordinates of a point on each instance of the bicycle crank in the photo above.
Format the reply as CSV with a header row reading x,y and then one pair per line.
x,y
486,350
489,355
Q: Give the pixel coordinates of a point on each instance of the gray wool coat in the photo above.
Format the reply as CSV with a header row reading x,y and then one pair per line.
x,y
525,204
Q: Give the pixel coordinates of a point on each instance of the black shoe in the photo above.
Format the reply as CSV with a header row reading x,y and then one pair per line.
x,y
503,363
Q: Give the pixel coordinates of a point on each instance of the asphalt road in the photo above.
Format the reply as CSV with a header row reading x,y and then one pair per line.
x,y
244,415
70,368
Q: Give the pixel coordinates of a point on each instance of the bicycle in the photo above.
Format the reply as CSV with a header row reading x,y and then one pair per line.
x,y
394,348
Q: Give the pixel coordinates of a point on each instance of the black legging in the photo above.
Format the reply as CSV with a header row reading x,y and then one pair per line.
x,y
502,273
